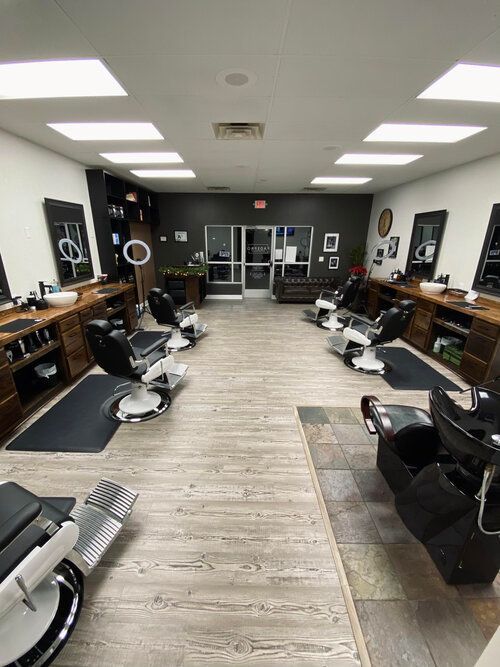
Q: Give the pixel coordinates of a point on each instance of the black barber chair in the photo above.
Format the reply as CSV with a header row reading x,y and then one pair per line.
x,y
444,468
359,347
47,547
329,303
151,372
182,319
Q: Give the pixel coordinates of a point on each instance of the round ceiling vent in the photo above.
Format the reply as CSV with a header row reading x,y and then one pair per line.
x,y
236,78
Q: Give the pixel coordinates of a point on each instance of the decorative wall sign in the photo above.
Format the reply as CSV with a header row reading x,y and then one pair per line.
x,y
331,243
333,263
181,237
395,245
64,255
385,222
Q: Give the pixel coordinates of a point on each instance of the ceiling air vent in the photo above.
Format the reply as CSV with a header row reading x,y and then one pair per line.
x,y
218,188
239,131
313,189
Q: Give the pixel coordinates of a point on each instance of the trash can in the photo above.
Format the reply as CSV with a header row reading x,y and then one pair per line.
x,y
46,374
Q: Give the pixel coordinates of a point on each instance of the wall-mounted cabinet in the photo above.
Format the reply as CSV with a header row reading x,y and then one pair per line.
x,y
116,204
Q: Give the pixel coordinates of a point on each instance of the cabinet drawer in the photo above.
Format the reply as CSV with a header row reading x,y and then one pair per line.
x,y
77,362
86,315
480,347
10,413
484,328
130,295
428,306
132,319
418,336
68,323
73,339
100,312
474,368
7,386
422,319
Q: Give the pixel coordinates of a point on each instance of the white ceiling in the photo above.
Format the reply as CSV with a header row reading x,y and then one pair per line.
x,y
328,72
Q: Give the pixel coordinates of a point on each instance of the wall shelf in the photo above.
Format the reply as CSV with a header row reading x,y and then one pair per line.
x,y
21,363
452,327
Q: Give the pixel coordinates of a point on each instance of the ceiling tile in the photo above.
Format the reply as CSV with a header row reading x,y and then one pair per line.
x,y
180,26
389,29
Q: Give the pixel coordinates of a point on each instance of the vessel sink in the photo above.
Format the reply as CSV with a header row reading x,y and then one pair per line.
x,y
61,299
432,288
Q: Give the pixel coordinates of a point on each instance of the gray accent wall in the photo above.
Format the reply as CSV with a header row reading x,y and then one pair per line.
x,y
349,215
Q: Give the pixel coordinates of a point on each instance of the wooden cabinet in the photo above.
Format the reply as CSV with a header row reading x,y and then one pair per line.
x,y
77,362
73,345
11,413
372,303
131,320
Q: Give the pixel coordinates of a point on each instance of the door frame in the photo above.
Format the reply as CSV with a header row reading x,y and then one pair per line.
x,y
257,293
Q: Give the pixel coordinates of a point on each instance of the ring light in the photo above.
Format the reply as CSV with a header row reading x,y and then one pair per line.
x,y
425,258
136,262
65,255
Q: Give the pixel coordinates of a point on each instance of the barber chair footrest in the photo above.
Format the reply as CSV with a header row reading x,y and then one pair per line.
x,y
100,520
338,344
310,314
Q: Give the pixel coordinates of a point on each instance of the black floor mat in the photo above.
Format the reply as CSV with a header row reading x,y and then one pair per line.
x,y
75,423
411,372
18,325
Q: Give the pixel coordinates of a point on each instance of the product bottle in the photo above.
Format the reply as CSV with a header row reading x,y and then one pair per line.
x,y
55,286
437,346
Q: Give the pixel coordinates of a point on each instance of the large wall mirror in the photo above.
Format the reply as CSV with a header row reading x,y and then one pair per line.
x,y
5,295
425,244
487,277
70,242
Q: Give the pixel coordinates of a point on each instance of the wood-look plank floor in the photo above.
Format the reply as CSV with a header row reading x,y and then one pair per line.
x,y
225,559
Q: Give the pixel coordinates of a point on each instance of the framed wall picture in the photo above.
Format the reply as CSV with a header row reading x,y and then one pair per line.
x,y
331,243
181,237
395,245
333,263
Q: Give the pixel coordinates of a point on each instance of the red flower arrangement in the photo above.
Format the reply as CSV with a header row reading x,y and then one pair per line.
x,y
358,270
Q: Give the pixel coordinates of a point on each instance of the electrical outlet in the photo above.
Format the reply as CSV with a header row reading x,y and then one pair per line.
x,y
321,259
163,239
27,232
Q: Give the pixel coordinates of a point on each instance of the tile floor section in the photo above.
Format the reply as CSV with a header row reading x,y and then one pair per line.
x,y
408,614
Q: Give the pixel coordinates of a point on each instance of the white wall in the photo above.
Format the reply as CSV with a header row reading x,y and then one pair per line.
x,y
28,174
466,192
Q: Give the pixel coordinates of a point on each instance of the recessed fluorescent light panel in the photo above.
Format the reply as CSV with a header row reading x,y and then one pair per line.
x,y
339,180
143,158
57,78
163,173
475,83
442,134
106,131
376,158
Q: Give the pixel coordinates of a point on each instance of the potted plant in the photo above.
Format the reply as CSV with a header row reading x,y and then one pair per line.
x,y
357,257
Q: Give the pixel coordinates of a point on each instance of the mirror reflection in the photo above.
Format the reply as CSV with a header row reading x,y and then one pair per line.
x,y
425,242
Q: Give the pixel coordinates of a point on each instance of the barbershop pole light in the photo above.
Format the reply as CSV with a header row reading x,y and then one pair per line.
x,y
139,263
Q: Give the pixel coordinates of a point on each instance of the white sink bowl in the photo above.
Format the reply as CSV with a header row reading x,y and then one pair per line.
x,y
61,299
432,288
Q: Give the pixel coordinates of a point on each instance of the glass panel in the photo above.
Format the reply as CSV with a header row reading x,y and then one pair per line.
x,y
279,244
237,244
73,232
258,245
237,273
297,270
300,237
278,270
219,243
257,277
219,273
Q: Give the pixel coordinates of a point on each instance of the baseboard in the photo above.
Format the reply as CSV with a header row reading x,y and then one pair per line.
x,y
223,297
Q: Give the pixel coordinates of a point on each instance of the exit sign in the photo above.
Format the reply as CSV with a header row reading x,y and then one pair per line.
x,y
260,203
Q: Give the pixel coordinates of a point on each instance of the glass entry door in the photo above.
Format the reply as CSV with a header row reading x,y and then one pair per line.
x,y
258,253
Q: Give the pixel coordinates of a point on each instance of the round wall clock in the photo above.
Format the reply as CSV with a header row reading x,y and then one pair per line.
x,y
385,222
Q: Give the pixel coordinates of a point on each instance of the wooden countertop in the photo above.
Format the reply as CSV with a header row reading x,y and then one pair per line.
x,y
53,315
492,315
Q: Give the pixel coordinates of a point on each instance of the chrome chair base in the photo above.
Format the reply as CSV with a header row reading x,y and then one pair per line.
x,y
351,356
113,410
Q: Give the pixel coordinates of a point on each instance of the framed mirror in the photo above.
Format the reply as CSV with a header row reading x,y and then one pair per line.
x,y
425,243
70,243
5,295
487,278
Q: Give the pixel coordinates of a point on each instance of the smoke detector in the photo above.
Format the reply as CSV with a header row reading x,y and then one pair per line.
x,y
238,131
236,78
218,188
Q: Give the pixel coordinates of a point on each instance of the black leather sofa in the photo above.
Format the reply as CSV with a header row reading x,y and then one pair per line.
x,y
301,290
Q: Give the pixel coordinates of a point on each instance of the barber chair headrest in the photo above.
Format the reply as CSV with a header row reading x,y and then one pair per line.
x,y
111,348
407,305
99,328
